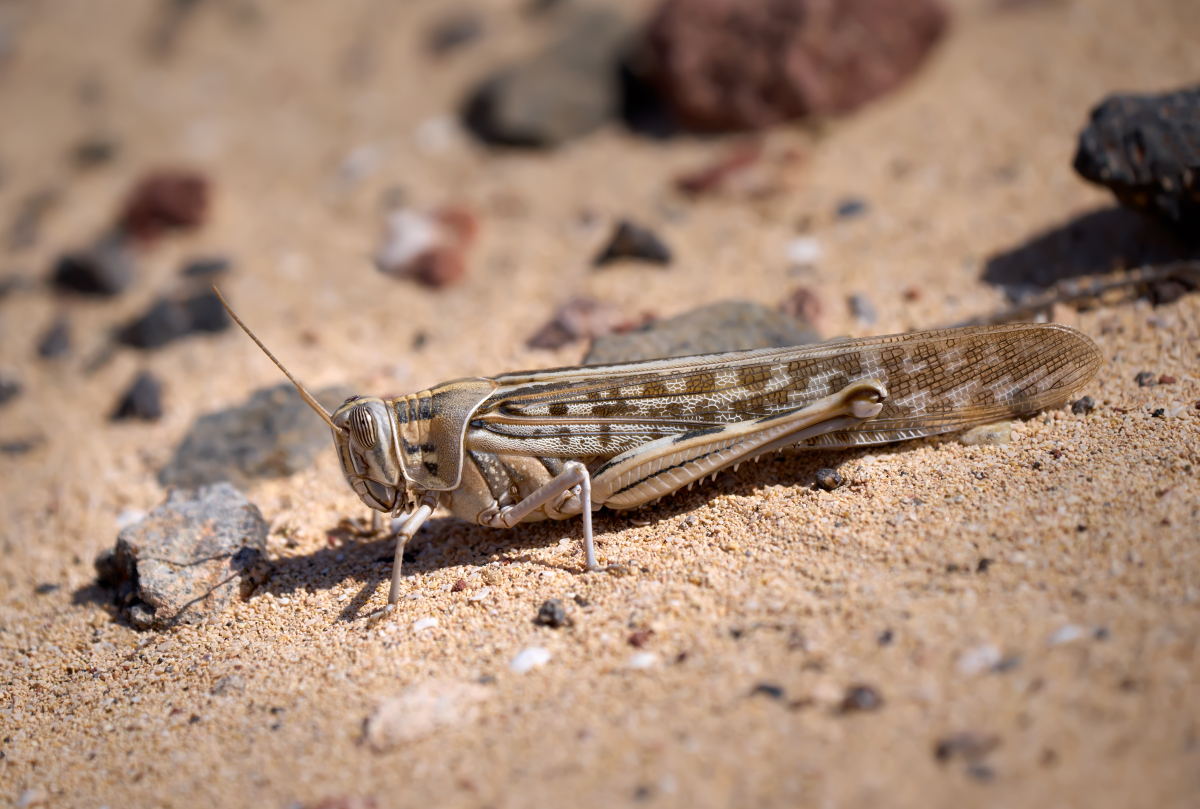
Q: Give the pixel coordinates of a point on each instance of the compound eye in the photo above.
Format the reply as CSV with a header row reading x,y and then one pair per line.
x,y
362,427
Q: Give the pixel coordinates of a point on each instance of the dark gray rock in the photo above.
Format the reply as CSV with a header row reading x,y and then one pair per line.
x,y
168,320
862,309
829,479
725,326
454,32
565,92
107,268
95,150
142,401
27,225
634,242
189,559
206,267
1146,149
56,341
552,613
274,434
9,390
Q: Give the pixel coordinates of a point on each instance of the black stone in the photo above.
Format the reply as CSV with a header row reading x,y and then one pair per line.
x,y
1146,379
1083,406
94,151
552,613
829,479
1146,149
274,434
142,401
169,320
9,390
861,698
630,241
851,207
862,309
452,33
107,268
56,341
768,690
206,267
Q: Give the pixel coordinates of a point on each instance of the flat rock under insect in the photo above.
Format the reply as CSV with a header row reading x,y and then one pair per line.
x,y
724,326
188,559
274,434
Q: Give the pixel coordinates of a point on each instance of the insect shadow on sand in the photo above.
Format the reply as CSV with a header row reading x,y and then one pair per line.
x,y
445,542
1095,243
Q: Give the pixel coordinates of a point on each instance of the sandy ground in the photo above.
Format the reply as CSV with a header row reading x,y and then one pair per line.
x,y
1073,651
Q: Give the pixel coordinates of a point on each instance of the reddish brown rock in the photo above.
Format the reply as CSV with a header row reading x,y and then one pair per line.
x,y
728,65
166,200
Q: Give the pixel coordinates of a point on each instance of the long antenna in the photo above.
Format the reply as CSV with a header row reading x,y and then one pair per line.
x,y
313,403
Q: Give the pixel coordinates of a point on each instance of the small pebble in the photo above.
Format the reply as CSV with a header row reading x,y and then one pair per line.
x,y
768,690
851,207
579,319
56,341
630,241
987,435
478,595
529,659
966,745
829,479
452,33
803,304
106,268
861,698
640,638
980,772
9,390
206,267
804,251
1066,634
552,613
1083,406
459,586
142,401
1146,379
170,319
862,309
163,201
1166,379
94,151
886,637
428,622
1159,413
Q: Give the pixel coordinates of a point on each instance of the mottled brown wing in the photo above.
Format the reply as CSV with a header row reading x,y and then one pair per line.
x,y
937,381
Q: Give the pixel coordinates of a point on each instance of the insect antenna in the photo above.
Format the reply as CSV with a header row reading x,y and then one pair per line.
x,y
308,398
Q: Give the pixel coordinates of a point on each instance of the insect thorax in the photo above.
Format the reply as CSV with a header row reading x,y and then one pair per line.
x,y
430,427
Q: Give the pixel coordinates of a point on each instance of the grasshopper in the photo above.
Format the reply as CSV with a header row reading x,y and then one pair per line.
x,y
554,444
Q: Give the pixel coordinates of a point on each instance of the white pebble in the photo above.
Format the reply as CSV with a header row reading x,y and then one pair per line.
x,y
129,516
428,622
1066,634
978,660
480,595
529,659
804,250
